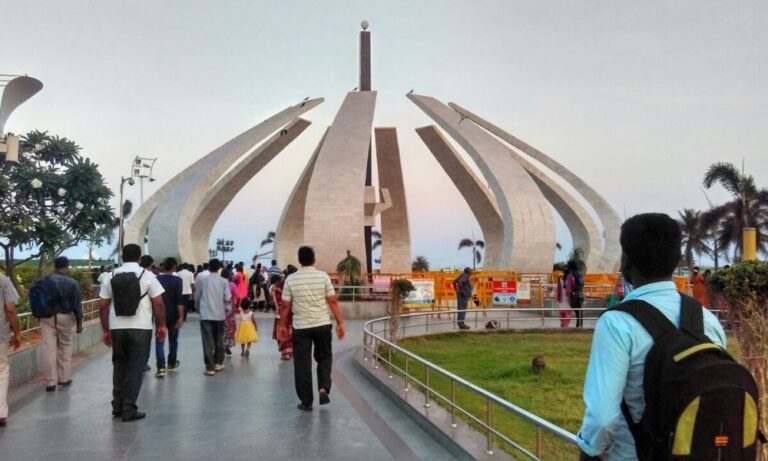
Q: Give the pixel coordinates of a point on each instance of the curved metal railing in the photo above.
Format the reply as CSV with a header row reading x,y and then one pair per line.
x,y
29,323
379,349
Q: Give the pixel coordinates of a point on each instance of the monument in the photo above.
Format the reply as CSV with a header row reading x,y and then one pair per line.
x,y
334,204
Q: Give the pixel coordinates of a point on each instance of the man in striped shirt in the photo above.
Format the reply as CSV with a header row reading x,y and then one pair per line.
x,y
308,293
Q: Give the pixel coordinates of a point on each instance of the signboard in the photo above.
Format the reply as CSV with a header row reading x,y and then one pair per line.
x,y
423,296
380,283
524,290
505,293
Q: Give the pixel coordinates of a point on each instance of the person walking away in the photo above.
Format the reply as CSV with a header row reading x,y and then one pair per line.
x,y
8,323
241,282
699,286
463,287
247,328
127,304
284,345
57,330
230,309
574,287
211,293
188,284
173,300
104,276
563,302
309,294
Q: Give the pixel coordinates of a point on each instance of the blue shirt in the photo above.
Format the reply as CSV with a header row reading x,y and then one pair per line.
x,y
211,294
615,371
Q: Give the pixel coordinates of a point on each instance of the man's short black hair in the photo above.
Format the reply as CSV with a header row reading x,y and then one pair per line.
x,y
170,263
651,244
61,262
205,266
146,261
274,262
214,265
306,256
131,253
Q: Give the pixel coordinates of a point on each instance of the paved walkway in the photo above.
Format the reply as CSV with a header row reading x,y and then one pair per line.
x,y
245,412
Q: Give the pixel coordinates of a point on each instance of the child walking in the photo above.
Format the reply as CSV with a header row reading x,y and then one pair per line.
x,y
247,329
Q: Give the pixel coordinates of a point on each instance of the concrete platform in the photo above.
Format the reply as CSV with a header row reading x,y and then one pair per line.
x,y
245,412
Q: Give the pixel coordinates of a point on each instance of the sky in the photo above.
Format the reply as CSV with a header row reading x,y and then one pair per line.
x,y
637,98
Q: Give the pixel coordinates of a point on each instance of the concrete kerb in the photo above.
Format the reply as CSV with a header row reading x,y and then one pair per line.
x,y
461,441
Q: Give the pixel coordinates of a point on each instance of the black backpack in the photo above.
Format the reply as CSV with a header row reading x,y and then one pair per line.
x,y
126,293
700,404
44,298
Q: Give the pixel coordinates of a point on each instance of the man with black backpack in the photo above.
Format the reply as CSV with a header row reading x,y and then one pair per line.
x,y
58,328
128,300
659,383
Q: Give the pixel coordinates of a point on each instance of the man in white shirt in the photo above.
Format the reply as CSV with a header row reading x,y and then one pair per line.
x,y
187,286
308,293
130,336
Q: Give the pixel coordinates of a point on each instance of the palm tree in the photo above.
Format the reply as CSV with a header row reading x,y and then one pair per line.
x,y
748,208
420,264
350,270
269,240
476,246
577,257
695,235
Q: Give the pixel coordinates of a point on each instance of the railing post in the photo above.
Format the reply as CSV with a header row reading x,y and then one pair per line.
x,y
427,323
406,374
453,403
426,386
389,359
538,441
365,345
507,319
375,354
489,422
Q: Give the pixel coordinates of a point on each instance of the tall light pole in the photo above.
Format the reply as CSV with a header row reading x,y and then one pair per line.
x,y
121,230
142,169
225,246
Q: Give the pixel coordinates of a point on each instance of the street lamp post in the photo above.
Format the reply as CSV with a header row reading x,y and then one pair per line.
x,y
142,169
225,246
121,230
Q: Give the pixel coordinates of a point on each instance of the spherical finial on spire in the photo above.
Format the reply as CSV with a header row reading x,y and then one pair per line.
x,y
364,24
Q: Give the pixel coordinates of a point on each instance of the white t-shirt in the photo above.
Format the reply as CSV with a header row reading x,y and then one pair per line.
x,y
307,290
148,283
187,280
103,277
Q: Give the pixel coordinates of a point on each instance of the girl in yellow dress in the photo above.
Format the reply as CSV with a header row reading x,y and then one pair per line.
x,y
247,328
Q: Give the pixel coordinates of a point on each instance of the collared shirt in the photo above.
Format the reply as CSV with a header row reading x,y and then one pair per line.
x,y
187,279
211,295
463,285
274,270
69,293
149,285
8,295
307,290
615,371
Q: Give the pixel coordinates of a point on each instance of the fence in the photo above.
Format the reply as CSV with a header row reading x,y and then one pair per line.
x,y
459,396
29,324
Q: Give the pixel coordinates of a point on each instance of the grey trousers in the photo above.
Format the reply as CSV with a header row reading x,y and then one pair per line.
x,y
57,334
212,332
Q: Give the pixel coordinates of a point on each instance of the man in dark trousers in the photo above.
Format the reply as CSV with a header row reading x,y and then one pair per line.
x,y
130,336
173,299
308,294
211,294
463,287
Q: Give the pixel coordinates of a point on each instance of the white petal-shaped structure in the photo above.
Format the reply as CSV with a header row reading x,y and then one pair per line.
x,y
529,242
611,249
335,209
475,193
170,213
225,189
17,92
396,249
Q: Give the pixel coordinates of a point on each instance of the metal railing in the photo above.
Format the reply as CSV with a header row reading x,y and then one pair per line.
x,y
28,323
379,350
361,292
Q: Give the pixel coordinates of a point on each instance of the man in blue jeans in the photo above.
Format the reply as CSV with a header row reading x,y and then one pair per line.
x,y
463,287
173,299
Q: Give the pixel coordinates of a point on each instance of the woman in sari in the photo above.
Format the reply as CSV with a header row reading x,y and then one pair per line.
x,y
284,345
230,309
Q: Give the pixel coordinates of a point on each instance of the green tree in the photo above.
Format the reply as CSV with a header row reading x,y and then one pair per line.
x,y
695,235
420,264
350,270
748,208
476,246
50,200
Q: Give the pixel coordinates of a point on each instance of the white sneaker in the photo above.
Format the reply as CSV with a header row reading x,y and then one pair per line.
x,y
218,367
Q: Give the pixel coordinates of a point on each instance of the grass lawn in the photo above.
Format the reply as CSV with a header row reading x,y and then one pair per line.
x,y
500,362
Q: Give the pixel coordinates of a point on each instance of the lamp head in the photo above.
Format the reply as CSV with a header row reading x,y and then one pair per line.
x,y
364,24
131,181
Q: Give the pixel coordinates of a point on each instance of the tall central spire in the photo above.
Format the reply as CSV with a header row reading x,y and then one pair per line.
x,y
365,57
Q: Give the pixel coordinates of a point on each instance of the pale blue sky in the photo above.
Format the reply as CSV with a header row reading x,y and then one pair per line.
x,y
638,98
